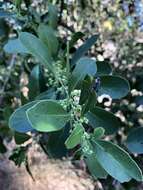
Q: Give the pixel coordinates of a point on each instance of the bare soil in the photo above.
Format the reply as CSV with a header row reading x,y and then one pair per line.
x,y
48,174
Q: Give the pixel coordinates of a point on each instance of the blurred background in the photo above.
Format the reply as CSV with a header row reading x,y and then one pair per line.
x,y
120,26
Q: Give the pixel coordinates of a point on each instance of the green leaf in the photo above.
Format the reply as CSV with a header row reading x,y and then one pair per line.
x,y
3,148
49,94
75,137
85,89
54,143
103,68
85,66
83,49
15,46
36,82
117,162
98,133
20,138
36,47
53,15
114,86
48,37
98,117
135,140
47,116
19,121
94,167
90,102
19,156
74,38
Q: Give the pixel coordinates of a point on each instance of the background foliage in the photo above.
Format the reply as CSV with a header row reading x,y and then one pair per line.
x,y
120,44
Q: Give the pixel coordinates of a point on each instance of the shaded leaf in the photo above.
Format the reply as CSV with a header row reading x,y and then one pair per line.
x,y
48,37
114,86
3,148
103,68
85,66
98,117
74,38
36,82
83,49
19,156
135,140
36,47
49,94
94,167
54,143
20,138
53,15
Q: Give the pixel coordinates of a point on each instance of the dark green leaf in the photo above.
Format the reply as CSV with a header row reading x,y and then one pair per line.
x,y
53,15
36,47
90,102
48,37
54,143
85,89
94,167
18,120
116,161
75,137
47,116
135,140
20,138
49,94
114,86
18,156
103,68
36,82
3,148
98,117
74,38
85,66
83,49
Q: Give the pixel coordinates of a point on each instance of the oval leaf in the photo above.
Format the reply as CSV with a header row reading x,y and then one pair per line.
x,y
94,167
114,86
116,161
15,46
18,120
36,47
98,132
75,137
135,140
98,117
47,116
